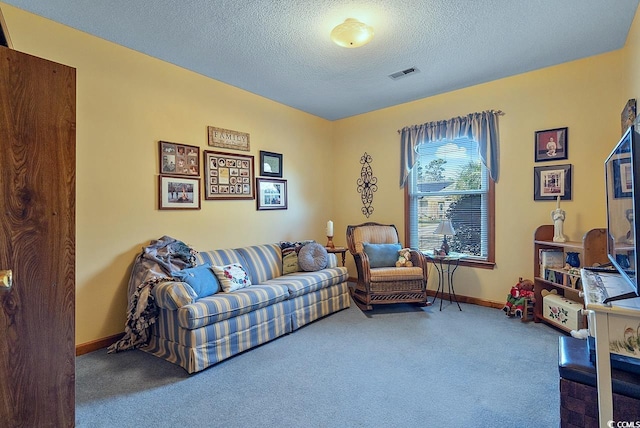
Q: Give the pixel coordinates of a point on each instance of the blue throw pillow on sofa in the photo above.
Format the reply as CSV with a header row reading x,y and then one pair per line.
x,y
382,255
201,278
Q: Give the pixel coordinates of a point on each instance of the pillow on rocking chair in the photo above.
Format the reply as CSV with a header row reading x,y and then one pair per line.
x,y
382,255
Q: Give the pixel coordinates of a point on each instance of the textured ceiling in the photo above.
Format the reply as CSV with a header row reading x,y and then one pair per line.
x,y
280,49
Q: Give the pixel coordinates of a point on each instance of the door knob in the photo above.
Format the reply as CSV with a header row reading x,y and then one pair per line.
x,y
6,279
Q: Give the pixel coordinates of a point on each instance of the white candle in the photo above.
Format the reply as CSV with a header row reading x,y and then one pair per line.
x,y
329,228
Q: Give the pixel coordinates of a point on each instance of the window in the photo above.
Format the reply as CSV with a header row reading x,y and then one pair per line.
x,y
449,181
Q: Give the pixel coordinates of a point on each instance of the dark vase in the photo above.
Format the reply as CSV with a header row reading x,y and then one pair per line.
x,y
573,259
623,260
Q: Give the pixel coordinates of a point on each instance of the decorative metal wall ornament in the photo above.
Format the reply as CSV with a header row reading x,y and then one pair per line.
x,y
367,184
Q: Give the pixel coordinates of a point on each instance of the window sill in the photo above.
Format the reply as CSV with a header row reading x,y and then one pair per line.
x,y
480,264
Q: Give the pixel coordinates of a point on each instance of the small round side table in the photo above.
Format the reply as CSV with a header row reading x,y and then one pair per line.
x,y
336,250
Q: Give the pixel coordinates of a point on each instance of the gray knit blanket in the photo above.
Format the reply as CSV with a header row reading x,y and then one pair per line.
x,y
151,267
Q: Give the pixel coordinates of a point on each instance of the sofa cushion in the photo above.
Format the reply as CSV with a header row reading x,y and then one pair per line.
x,y
201,278
223,306
301,283
382,255
219,257
262,262
290,252
232,277
312,257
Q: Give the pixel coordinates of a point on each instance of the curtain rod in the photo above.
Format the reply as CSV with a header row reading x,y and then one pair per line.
x,y
498,112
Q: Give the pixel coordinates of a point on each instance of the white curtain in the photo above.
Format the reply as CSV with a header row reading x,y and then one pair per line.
x,y
480,127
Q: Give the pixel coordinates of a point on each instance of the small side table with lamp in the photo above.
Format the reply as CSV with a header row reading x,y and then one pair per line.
x,y
440,258
331,248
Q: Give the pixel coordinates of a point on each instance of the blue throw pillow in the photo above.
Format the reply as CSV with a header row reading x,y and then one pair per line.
x,y
382,255
201,278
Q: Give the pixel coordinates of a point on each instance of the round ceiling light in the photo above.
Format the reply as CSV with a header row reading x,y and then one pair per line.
x,y
352,34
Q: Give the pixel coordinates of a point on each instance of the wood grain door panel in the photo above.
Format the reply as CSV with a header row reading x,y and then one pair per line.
x,y
37,241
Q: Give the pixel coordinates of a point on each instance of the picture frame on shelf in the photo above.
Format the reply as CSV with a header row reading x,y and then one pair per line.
x,y
178,193
549,182
271,194
179,159
551,144
228,176
270,164
622,180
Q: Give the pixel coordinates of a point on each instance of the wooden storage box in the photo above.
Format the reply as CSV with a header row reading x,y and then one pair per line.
x,y
563,312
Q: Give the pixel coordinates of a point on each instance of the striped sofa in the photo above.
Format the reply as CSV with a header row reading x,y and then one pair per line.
x,y
197,333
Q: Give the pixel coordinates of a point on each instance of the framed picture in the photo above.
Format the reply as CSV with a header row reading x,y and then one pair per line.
x,y
270,164
228,176
272,194
179,159
551,144
622,180
228,139
628,115
549,182
178,193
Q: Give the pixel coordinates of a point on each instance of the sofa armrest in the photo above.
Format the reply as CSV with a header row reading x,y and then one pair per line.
x,y
332,260
173,295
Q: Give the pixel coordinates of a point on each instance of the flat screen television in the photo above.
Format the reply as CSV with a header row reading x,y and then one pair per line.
x,y
622,178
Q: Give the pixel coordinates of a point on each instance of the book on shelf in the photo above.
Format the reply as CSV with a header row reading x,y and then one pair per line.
x,y
551,257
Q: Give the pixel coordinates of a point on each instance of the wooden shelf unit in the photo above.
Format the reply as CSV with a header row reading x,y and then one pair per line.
x,y
593,252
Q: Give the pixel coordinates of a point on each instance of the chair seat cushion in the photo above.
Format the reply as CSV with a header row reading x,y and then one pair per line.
x,y
385,274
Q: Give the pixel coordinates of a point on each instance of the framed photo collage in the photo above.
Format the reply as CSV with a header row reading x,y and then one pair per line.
x,y
225,176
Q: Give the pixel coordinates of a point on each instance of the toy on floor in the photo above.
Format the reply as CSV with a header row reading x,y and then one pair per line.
x,y
404,259
515,300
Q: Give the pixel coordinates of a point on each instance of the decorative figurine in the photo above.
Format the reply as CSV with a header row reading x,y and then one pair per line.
x,y
404,258
557,216
516,297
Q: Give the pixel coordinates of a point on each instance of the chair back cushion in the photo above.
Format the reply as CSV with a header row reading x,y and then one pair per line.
x,y
382,255
374,234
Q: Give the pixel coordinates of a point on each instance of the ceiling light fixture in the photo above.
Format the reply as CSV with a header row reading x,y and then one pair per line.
x,y
352,34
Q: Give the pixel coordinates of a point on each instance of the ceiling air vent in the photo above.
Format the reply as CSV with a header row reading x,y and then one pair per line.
x,y
400,74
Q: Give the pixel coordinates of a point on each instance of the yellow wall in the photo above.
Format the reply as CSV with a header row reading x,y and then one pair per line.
x,y
582,95
128,101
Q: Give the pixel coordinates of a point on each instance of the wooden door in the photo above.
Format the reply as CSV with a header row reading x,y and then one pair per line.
x,y
37,241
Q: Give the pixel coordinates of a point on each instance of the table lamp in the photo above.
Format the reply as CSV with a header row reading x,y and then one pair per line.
x,y
444,228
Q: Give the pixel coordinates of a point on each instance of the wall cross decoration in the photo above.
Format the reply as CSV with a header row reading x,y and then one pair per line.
x,y
367,184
